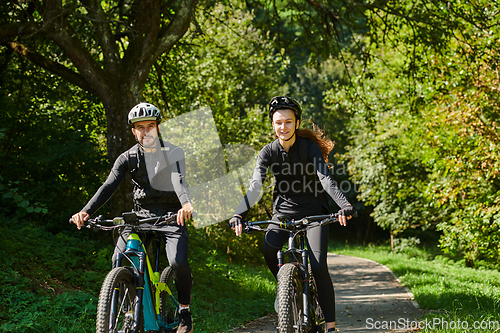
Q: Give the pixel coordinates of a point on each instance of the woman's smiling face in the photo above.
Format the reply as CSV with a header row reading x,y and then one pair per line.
x,y
284,123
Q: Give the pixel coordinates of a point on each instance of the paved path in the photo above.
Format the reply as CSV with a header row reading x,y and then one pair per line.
x,y
367,295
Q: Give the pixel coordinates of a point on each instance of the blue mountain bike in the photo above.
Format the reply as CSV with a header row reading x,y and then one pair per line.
x,y
135,297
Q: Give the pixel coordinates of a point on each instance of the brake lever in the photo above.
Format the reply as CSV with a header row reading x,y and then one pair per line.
x,y
249,229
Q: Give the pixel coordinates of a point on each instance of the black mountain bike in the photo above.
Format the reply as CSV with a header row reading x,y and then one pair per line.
x,y
134,296
297,295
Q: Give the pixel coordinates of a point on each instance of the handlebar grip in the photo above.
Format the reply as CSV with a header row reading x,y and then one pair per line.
x,y
354,214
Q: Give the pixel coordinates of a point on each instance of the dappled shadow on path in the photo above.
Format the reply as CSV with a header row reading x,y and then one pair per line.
x,y
368,297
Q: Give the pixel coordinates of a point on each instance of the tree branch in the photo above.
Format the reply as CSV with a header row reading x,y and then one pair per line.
x,y
104,34
53,67
11,31
57,29
174,31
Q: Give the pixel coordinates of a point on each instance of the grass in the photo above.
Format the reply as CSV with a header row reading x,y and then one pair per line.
x,y
225,295
51,282
457,298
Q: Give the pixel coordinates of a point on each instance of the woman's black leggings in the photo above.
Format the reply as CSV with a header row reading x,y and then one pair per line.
x,y
177,247
317,243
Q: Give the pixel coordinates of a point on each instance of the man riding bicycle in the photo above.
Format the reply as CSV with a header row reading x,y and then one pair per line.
x,y
157,169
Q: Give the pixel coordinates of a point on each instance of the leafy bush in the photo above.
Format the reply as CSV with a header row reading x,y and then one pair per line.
x,y
404,245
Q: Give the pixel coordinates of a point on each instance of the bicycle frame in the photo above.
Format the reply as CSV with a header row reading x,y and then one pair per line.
x,y
148,281
296,248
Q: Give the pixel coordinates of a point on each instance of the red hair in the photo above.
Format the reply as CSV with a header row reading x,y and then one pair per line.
x,y
318,135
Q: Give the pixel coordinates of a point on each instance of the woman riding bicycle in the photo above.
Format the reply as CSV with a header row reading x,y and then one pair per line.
x,y
298,160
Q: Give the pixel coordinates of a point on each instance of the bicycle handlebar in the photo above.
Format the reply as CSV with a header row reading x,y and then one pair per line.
x,y
128,221
131,217
289,224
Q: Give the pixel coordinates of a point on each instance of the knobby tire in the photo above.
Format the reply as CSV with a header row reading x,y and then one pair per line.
x,y
316,314
117,296
290,312
169,313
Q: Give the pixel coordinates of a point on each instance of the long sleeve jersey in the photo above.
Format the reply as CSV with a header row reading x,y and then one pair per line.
x,y
301,182
158,178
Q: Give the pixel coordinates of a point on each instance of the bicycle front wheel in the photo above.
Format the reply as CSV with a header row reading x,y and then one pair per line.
x,y
169,307
290,309
316,314
117,303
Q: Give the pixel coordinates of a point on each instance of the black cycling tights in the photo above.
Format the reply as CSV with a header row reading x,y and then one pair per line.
x,y
317,243
177,246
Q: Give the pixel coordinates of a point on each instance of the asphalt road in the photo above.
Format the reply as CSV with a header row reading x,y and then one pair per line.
x,y
368,298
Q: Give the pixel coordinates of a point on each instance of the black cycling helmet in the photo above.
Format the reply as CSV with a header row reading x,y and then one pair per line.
x,y
144,111
284,102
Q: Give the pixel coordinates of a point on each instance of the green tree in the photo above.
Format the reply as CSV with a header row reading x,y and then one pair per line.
x,y
424,125
106,48
51,148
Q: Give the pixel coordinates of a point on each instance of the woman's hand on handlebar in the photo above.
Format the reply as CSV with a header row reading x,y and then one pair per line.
x,y
345,214
80,218
184,213
236,223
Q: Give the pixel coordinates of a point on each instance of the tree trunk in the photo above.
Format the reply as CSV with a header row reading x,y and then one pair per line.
x,y
119,139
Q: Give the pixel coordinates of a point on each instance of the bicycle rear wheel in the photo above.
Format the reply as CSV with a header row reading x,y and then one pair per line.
x,y
290,310
169,310
116,307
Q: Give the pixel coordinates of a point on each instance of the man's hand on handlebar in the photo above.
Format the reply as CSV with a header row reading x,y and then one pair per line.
x,y
184,214
80,218
345,214
236,224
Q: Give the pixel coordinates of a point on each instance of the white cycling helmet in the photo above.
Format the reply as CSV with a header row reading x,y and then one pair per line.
x,y
144,111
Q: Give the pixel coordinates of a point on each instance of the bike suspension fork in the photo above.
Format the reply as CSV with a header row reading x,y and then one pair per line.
x,y
305,282
140,290
281,256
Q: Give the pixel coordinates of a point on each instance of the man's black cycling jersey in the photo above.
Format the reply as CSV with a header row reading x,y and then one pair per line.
x,y
158,178
300,181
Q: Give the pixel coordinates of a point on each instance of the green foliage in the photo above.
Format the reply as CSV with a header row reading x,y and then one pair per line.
x,y
404,245
424,114
47,279
229,68
384,154
52,143
464,147
11,199
309,32
55,278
